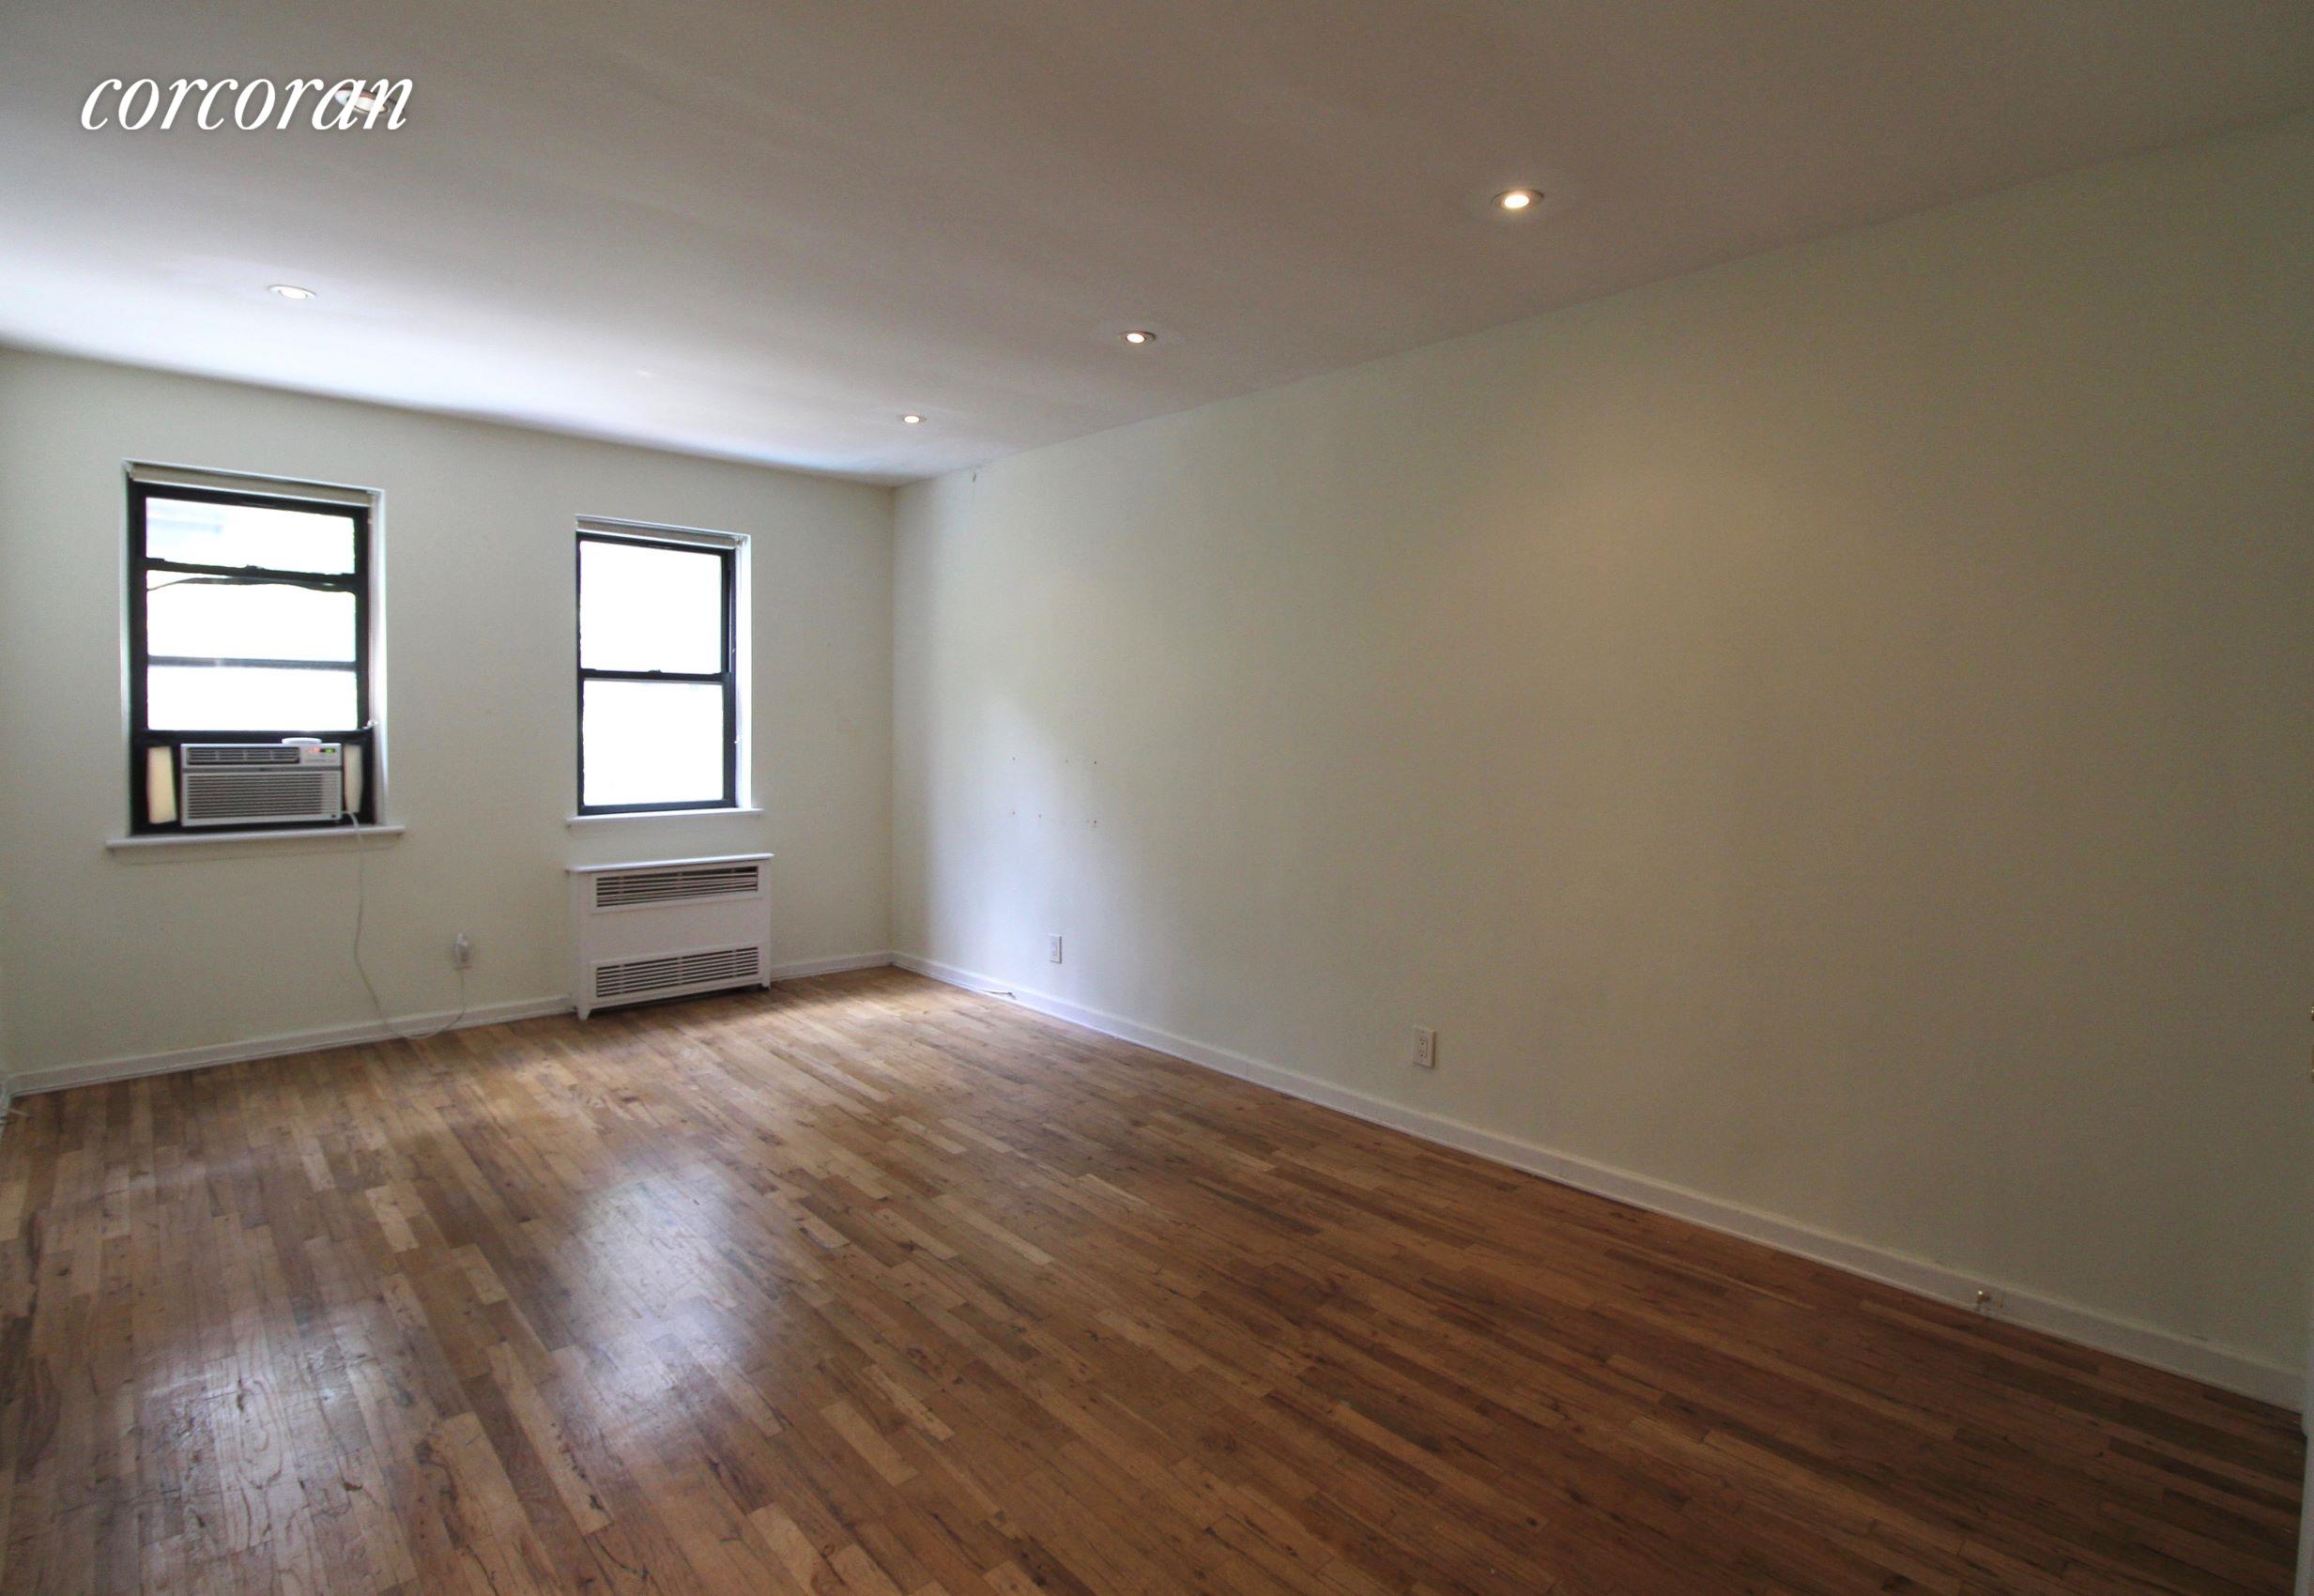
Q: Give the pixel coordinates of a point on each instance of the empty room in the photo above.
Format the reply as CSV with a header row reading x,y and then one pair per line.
x,y
1156,798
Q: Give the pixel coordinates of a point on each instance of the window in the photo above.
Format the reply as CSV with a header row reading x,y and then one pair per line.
x,y
658,671
249,622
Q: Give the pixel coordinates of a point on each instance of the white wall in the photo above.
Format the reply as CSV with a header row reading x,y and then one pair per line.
x,y
109,956
1831,732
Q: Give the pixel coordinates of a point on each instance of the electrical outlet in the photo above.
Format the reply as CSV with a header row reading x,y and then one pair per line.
x,y
461,952
1425,1048
1052,950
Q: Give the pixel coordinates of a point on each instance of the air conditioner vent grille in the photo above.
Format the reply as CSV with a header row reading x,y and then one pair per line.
x,y
199,754
640,977
623,889
244,794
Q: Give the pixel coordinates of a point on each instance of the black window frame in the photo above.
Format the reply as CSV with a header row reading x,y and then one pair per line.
x,y
142,737
727,678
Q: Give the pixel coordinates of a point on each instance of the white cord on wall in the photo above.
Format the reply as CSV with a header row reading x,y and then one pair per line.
x,y
361,903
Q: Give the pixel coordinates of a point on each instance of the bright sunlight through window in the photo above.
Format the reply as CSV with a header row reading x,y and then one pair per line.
x,y
658,685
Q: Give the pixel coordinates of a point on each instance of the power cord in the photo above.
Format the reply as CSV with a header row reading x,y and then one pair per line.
x,y
361,903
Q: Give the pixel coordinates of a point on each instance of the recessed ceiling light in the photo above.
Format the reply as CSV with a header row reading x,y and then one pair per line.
x,y
914,420
1515,200
1139,336
291,291
354,99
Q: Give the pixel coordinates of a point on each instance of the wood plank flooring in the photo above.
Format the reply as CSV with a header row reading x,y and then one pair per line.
x,y
865,1286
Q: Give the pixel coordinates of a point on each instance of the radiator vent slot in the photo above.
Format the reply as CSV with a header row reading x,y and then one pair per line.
x,y
684,884
673,973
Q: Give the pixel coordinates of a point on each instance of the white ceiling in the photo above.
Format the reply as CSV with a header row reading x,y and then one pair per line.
x,y
765,230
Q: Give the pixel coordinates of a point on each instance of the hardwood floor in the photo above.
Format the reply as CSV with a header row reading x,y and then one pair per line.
x,y
868,1286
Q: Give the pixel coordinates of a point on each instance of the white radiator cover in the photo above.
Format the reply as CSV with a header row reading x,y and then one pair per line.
x,y
660,928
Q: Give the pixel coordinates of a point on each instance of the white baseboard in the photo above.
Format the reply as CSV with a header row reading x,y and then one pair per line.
x,y
834,966
61,1076
57,1078
2197,1359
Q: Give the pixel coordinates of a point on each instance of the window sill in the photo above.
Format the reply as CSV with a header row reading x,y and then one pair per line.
x,y
165,843
576,820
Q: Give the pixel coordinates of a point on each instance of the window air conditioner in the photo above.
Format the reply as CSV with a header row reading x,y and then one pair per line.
x,y
222,783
